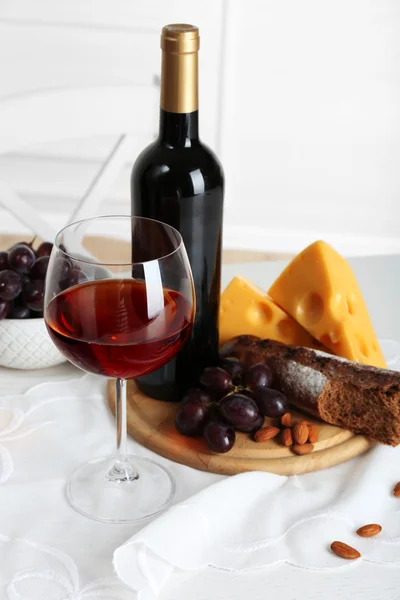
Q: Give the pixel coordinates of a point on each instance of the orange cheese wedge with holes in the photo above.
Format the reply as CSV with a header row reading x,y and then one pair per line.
x,y
319,290
246,309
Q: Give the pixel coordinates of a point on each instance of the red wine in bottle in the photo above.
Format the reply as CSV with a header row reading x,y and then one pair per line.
x,y
179,181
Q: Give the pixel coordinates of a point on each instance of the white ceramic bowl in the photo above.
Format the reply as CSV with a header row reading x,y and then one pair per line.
x,y
25,344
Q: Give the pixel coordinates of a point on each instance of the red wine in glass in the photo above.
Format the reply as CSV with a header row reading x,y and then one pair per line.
x,y
119,328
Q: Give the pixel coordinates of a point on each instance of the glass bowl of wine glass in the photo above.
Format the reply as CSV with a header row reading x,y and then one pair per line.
x,y
119,309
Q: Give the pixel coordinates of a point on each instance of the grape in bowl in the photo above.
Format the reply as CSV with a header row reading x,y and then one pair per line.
x,y
24,341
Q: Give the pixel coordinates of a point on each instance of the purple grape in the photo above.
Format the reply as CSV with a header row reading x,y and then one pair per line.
x,y
10,285
196,394
219,436
4,309
239,410
216,380
233,366
3,260
258,423
19,311
25,279
62,269
271,403
191,417
33,294
258,377
21,258
76,276
44,249
27,244
39,269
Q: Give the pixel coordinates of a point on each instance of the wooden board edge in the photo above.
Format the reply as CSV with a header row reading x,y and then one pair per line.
x,y
224,464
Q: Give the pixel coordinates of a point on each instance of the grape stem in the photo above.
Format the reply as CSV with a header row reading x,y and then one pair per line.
x,y
237,388
32,241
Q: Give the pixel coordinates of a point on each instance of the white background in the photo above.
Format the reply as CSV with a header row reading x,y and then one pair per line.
x,y
300,99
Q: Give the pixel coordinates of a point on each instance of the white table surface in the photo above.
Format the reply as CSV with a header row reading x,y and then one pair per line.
x,y
380,283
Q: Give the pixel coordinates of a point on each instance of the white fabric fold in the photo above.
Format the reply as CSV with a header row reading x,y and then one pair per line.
x,y
259,519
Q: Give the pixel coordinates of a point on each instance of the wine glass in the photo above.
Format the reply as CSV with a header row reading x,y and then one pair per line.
x,y
119,302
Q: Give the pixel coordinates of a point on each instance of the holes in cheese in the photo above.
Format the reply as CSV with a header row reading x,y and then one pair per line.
x,y
330,340
363,346
246,309
310,309
351,304
320,291
339,307
285,329
259,313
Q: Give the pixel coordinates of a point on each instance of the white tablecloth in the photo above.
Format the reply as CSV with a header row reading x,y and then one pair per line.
x,y
48,551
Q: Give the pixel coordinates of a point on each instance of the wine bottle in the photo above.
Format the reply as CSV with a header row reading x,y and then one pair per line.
x,y
179,181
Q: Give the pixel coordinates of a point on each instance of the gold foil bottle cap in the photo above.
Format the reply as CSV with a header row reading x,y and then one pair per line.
x,y
180,38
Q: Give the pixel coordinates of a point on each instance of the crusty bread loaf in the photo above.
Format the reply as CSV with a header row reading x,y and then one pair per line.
x,y
341,392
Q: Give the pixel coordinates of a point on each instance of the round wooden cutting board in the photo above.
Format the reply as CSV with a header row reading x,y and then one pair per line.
x,y
151,423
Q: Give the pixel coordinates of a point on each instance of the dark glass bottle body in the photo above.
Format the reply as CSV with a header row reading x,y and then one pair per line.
x,y
179,181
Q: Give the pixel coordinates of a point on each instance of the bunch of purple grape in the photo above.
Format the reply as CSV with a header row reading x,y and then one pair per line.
x,y
22,274
231,398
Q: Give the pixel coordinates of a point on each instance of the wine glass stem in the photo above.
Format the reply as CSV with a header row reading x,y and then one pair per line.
x,y
120,413
122,469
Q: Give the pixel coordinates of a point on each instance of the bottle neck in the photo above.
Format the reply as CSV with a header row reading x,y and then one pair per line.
x,y
179,96
179,129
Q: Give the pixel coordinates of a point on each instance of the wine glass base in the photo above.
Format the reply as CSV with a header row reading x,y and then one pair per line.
x,y
92,492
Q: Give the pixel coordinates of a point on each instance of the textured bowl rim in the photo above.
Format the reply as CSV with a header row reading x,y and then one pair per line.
x,y
31,330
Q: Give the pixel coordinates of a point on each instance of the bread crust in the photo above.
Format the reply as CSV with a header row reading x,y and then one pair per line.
x,y
341,392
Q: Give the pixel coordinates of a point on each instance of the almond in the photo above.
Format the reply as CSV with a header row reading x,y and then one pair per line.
x,y
302,448
300,432
266,433
396,491
369,530
313,433
286,437
286,420
344,551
